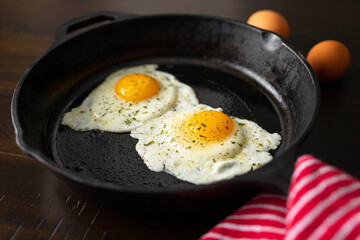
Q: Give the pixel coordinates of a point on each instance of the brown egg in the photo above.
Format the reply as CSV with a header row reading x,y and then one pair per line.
x,y
271,21
330,59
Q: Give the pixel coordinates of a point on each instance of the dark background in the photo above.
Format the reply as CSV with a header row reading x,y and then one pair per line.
x,y
34,204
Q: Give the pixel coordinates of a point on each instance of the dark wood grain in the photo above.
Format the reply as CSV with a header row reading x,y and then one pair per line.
x,y
34,204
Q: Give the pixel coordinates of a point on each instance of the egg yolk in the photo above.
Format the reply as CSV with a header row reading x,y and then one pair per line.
x,y
209,126
136,87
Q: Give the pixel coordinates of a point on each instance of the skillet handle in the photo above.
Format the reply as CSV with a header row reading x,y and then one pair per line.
x,y
89,21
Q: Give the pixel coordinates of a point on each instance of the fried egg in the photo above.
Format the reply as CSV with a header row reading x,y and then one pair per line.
x,y
203,145
128,98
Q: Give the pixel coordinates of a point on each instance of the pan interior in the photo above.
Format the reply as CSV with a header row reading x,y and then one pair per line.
x,y
111,157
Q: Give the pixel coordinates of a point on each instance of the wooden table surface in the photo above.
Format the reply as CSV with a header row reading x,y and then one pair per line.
x,y
34,204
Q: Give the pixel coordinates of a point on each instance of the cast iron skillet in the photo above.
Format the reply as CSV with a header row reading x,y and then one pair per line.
x,y
249,72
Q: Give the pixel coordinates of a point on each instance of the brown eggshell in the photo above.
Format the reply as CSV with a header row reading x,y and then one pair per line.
x,y
271,21
330,59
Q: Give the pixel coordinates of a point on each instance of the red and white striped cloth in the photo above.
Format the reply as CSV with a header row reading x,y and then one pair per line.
x,y
323,203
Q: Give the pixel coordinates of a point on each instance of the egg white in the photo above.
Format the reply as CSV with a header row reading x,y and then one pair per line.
x,y
246,149
103,110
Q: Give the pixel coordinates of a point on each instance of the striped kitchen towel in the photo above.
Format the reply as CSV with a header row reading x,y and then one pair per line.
x,y
323,203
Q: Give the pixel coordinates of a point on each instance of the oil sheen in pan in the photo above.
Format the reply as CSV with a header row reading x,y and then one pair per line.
x,y
111,157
